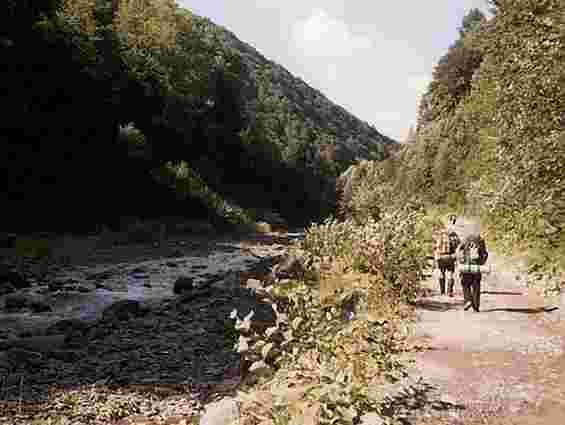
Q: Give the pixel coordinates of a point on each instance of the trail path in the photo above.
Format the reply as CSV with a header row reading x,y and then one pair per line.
x,y
504,365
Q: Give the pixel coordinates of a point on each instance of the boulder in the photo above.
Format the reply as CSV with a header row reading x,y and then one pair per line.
x,y
254,284
183,284
122,310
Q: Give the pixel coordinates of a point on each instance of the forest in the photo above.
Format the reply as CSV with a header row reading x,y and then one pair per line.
x,y
140,108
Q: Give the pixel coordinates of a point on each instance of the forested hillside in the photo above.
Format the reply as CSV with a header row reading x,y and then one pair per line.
x,y
119,107
491,129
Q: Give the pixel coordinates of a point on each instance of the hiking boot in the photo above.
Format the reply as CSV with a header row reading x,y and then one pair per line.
x,y
467,305
450,284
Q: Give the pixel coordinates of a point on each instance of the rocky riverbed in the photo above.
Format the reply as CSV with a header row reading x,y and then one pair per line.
x,y
111,318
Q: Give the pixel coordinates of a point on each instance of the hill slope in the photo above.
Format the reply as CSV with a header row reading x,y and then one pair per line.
x,y
353,135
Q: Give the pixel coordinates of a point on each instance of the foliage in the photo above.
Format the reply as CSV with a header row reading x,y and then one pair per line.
x,y
338,331
490,139
184,86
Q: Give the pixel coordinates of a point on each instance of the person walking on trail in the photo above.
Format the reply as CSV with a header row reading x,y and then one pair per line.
x,y
471,255
446,242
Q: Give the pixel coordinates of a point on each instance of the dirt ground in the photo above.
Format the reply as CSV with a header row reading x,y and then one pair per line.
x,y
504,365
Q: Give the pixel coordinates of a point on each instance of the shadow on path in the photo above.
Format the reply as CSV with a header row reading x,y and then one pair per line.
x,y
523,310
416,398
501,293
437,305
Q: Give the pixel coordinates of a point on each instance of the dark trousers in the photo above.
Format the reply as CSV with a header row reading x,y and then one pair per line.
x,y
471,283
446,265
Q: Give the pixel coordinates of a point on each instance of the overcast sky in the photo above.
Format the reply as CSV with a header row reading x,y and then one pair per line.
x,y
374,58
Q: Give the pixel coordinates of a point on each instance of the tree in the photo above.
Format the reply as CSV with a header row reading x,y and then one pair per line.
x,y
471,22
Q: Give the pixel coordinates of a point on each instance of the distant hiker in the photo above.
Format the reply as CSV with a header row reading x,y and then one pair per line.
x,y
471,255
452,219
446,242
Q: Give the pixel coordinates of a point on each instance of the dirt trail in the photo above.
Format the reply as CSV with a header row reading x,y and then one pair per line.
x,y
504,365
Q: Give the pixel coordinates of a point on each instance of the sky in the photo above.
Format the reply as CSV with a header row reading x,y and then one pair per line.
x,y
374,58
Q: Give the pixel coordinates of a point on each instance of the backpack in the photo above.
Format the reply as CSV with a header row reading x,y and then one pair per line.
x,y
454,242
473,256
447,243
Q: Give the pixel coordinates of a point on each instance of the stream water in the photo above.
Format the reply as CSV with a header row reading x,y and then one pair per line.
x,y
84,291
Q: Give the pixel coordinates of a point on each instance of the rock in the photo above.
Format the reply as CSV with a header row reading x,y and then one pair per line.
x,y
222,412
67,327
290,267
122,310
254,284
183,284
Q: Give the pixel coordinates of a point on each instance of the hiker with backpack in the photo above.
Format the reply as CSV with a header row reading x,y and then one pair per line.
x,y
471,255
446,242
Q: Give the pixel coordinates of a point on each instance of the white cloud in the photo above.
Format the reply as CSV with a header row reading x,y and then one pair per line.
x,y
321,35
332,75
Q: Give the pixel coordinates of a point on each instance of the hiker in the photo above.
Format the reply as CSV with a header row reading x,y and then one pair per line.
x,y
446,242
471,255
452,219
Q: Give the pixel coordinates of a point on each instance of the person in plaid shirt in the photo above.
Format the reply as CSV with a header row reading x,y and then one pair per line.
x,y
472,254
